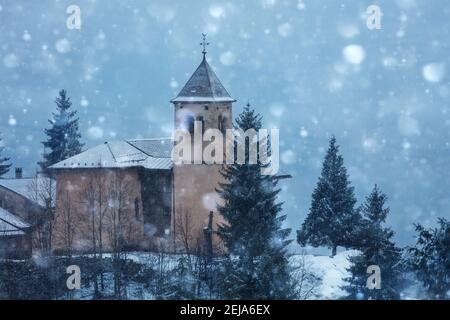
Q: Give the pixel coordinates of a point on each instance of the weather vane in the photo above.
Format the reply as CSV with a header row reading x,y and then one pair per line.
x,y
204,43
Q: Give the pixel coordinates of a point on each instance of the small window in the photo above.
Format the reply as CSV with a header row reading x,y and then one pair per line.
x,y
136,209
206,107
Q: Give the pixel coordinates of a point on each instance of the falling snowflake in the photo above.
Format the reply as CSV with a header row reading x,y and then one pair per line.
x,y
217,11
63,46
303,132
95,133
84,102
433,72
26,36
11,60
284,29
354,54
227,58
12,120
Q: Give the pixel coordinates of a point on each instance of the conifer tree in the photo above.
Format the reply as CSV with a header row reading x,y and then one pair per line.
x,y
332,220
63,136
377,249
256,266
430,259
4,162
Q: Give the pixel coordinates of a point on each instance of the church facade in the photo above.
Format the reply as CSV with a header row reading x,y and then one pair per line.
x,y
129,194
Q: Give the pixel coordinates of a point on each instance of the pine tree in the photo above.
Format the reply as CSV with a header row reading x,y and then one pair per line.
x,y
256,266
4,162
63,136
430,259
377,249
332,218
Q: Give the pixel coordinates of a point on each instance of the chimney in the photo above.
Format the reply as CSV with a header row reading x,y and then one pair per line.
x,y
18,173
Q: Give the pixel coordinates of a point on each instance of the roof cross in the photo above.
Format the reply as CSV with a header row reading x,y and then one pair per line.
x,y
204,44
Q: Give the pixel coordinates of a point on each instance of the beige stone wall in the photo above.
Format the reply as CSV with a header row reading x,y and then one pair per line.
x,y
111,194
209,111
194,198
194,185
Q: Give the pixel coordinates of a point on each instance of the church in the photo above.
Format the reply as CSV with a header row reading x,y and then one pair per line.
x,y
129,194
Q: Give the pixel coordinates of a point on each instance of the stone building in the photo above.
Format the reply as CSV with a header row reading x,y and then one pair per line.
x,y
21,216
116,194
129,194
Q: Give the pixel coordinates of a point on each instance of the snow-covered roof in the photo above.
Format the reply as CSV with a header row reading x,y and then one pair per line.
x,y
22,187
158,148
147,153
19,186
11,225
8,230
203,86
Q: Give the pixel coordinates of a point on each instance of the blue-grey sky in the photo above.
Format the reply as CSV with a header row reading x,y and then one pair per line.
x,y
312,68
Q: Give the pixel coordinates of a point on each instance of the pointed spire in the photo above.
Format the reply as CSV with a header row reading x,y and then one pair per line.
x,y
203,85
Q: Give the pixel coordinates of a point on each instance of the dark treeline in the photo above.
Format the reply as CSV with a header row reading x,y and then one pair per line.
x,y
335,220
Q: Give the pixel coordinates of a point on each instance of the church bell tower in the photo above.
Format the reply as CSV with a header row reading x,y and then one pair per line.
x,y
204,100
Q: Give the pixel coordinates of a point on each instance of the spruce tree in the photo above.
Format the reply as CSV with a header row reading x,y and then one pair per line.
x,y
256,266
377,249
4,162
430,259
332,218
63,136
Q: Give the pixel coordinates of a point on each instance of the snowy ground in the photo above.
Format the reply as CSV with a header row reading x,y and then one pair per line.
x,y
331,271
134,291
319,277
